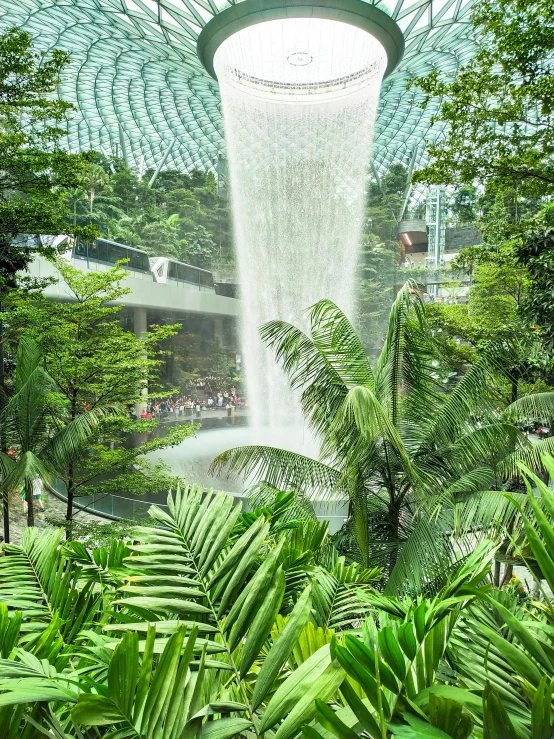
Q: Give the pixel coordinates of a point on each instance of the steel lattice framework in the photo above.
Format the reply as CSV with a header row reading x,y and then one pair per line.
x,y
137,84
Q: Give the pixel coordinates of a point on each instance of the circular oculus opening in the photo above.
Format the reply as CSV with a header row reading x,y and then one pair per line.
x,y
358,14
301,54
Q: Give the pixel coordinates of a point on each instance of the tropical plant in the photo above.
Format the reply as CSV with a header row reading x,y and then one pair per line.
x,y
37,170
470,662
187,632
395,686
395,442
94,178
37,428
94,360
192,624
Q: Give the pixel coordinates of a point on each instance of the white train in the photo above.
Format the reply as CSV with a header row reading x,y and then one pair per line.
x,y
168,270
159,269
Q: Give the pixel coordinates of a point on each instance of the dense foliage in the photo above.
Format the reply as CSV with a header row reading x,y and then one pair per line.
x,y
208,624
93,367
498,140
36,169
209,621
181,215
404,450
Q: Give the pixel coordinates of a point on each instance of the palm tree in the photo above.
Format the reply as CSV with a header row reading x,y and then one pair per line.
x,y
33,419
94,178
394,442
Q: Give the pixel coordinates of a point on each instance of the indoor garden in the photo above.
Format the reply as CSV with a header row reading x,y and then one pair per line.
x,y
276,369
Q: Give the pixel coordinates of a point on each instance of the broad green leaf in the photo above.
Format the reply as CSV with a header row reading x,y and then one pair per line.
x,y
246,606
329,719
515,656
295,686
163,605
417,729
303,711
96,710
523,634
390,650
541,710
496,722
123,673
264,620
282,647
367,660
407,641
419,621
366,719
224,728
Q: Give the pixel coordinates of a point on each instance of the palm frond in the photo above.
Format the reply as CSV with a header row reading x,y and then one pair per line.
x,y
531,456
281,469
28,359
307,367
486,513
487,444
28,467
402,357
538,406
262,495
470,398
63,446
362,413
336,601
338,342
425,556
38,581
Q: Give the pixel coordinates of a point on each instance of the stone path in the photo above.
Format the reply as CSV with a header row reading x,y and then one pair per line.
x,y
55,509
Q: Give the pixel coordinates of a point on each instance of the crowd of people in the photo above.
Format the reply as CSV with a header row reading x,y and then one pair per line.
x,y
181,406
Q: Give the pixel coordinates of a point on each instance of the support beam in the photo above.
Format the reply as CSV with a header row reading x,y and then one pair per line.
x,y
408,188
162,162
375,173
124,154
140,326
218,331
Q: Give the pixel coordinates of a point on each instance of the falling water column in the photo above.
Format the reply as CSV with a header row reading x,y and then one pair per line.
x,y
299,100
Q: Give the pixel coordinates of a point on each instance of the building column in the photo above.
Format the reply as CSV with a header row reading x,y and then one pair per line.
x,y
140,326
218,331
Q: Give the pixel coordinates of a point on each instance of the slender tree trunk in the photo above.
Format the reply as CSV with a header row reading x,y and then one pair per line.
x,y
515,384
70,496
6,515
508,572
394,513
69,509
3,440
496,576
29,499
71,477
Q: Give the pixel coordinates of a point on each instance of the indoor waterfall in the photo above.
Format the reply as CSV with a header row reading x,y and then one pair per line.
x,y
299,101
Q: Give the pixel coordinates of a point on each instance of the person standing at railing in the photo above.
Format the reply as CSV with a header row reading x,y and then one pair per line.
x,y
38,493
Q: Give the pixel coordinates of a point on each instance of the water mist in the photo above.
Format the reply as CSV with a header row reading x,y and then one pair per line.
x,y
299,99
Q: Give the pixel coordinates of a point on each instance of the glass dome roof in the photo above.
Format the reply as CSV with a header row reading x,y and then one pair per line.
x,y
139,87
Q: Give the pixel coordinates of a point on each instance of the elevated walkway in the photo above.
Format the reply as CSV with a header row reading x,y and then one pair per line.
x,y
145,293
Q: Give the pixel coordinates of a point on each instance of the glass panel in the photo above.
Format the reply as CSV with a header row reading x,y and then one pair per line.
x,y
99,250
80,249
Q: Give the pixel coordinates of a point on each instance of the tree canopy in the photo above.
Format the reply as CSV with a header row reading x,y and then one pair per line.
x,y
36,169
